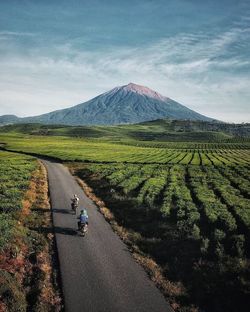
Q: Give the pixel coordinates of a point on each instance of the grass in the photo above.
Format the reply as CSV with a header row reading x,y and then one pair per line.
x,y
27,282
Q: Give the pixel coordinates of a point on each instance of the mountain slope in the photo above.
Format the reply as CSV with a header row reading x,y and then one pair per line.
x,y
127,104
9,119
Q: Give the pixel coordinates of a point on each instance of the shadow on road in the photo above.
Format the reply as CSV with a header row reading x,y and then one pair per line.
x,y
65,231
65,211
56,229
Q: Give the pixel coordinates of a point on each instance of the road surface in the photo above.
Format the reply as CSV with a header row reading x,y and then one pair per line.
x,y
98,272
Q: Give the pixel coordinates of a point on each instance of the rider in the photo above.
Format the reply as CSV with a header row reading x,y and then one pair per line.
x,y
75,201
83,218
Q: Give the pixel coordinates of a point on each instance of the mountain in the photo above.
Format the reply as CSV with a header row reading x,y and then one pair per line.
x,y
9,119
122,105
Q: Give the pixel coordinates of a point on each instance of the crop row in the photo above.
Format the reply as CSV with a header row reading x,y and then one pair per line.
x,y
231,196
237,179
102,152
178,203
216,213
207,203
190,145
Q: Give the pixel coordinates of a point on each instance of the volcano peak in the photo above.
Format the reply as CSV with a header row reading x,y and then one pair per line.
x,y
142,90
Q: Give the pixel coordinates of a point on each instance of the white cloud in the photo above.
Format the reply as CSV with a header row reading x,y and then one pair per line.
x,y
10,35
190,68
15,33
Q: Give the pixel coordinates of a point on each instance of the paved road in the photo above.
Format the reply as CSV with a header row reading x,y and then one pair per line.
x,y
98,272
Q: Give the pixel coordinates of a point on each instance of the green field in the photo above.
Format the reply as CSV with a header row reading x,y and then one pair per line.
x,y
187,202
220,194
81,149
15,173
193,220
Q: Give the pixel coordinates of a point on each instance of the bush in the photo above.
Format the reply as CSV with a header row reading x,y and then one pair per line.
x,y
6,229
11,293
238,242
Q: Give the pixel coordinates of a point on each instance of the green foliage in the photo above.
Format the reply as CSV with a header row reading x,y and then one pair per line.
x,y
6,229
219,235
192,196
152,188
11,293
195,234
200,201
183,222
15,173
215,211
238,242
154,131
204,246
81,149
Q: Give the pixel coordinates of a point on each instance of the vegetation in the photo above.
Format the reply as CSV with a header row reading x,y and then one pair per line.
x,y
190,219
26,278
77,149
184,204
162,130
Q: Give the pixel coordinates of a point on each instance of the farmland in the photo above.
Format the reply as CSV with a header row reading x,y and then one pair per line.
x,y
185,204
78,149
194,220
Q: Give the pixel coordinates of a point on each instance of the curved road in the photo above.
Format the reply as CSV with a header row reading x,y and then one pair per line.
x,y
98,272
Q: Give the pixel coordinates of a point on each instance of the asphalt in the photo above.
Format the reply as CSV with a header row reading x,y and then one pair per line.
x,y
98,272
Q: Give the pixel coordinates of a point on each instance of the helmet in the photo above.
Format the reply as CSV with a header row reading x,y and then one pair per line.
x,y
81,211
75,195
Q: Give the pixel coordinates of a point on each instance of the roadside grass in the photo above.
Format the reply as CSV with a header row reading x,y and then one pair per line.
x,y
28,279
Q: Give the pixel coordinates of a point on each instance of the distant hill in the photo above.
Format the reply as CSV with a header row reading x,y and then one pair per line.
x,y
128,104
162,130
9,119
186,126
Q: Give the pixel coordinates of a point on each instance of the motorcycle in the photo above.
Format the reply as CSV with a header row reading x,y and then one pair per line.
x,y
83,228
74,207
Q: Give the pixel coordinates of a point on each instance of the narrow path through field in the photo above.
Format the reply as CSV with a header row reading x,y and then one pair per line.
x,y
98,272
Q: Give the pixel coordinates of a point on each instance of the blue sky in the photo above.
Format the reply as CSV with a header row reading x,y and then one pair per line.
x,y
55,54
